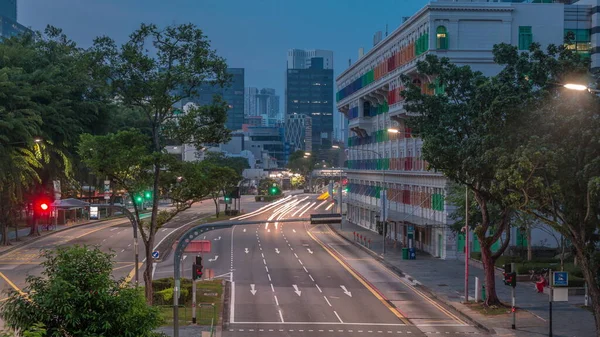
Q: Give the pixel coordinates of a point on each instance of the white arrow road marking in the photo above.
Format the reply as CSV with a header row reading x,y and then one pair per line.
x,y
244,230
346,291
217,239
294,230
184,257
247,251
269,230
310,251
215,259
277,250
252,290
296,289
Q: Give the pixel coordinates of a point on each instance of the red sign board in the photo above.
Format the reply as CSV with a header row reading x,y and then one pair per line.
x,y
198,246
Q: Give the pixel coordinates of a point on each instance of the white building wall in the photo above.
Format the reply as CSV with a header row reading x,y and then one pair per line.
x,y
473,28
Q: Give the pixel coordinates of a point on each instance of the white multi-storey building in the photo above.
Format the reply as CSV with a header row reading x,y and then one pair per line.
x,y
464,31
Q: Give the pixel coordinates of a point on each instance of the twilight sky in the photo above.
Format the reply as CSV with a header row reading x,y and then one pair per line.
x,y
251,34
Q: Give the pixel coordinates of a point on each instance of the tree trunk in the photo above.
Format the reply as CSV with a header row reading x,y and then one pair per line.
x,y
490,274
217,210
590,278
148,289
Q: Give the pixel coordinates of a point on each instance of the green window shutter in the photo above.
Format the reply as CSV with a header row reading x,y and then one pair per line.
x,y
525,37
441,37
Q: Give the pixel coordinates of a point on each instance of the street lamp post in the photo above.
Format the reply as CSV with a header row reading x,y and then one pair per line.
x,y
579,87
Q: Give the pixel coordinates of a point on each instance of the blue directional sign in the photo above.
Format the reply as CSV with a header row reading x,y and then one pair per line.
x,y
560,278
411,229
155,254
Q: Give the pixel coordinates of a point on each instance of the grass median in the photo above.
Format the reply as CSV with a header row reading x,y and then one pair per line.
x,y
208,301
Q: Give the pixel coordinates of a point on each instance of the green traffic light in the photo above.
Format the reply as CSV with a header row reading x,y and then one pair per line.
x,y
138,199
148,195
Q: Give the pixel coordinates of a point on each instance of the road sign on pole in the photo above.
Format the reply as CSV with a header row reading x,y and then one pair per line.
x,y
155,254
107,189
560,279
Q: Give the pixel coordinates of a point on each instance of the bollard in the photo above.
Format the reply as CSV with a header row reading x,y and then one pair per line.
x,y
483,292
369,243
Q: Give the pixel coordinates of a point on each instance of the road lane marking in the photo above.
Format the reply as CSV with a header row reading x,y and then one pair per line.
x,y
321,204
232,303
267,268
296,255
276,301
132,272
272,289
10,283
252,289
269,276
309,275
306,270
262,254
265,262
307,208
367,285
324,323
281,316
326,300
318,288
300,262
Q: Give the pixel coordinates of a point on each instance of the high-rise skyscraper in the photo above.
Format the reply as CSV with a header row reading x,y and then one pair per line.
x,y
302,59
309,91
8,19
8,9
233,94
250,102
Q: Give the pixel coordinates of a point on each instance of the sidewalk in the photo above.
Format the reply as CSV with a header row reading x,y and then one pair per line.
x,y
445,280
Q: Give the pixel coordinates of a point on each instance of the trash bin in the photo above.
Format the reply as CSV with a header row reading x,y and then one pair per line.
x,y
404,253
412,254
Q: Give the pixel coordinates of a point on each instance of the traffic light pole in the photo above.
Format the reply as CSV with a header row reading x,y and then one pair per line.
x,y
514,310
133,221
193,301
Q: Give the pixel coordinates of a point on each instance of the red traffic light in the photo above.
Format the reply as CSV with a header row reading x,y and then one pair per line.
x,y
44,206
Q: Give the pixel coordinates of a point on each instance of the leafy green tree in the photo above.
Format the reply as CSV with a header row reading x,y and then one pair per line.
x,y
297,163
220,179
150,73
465,130
555,174
238,164
76,295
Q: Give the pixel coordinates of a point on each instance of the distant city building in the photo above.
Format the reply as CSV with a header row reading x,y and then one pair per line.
x,y
302,59
298,132
268,103
254,120
233,94
250,101
8,9
8,20
267,145
309,91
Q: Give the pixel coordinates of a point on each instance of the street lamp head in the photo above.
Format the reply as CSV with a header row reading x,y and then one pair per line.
x,y
573,86
307,153
37,140
335,146
393,130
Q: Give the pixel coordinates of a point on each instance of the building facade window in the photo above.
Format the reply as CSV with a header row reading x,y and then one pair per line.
x,y
442,37
525,37
579,40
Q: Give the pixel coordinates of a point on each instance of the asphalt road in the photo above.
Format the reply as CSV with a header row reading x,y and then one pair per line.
x,y
114,235
297,279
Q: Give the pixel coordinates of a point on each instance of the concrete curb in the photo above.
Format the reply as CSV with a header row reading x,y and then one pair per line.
x,y
421,287
219,325
56,231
